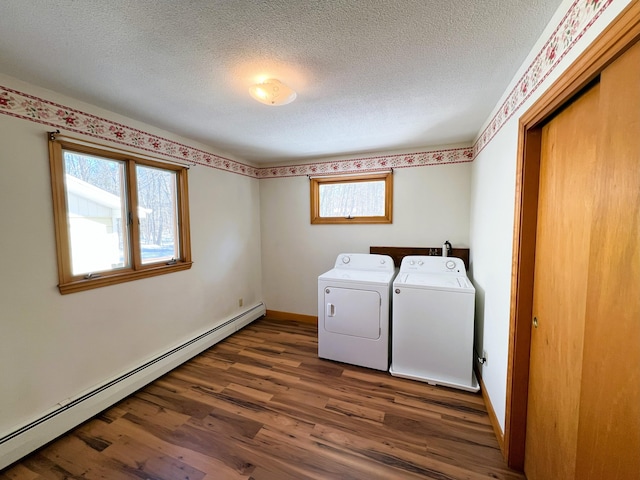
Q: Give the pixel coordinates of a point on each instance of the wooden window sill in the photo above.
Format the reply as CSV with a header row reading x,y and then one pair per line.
x,y
115,278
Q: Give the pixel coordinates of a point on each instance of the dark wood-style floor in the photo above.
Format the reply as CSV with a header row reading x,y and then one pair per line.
x,y
262,405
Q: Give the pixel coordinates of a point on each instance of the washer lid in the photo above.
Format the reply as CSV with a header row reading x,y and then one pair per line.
x,y
358,276
435,282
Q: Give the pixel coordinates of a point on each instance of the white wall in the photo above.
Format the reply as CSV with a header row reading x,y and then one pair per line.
x,y
53,347
492,210
430,205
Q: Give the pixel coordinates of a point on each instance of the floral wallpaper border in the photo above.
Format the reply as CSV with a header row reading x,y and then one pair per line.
x,y
370,164
35,109
29,107
578,19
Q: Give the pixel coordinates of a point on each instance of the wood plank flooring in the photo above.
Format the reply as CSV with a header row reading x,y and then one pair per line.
x,y
261,405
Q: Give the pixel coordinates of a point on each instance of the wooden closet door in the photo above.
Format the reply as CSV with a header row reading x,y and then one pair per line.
x,y
609,424
567,164
583,410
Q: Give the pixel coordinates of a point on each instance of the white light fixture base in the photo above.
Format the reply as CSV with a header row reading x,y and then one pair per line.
x,y
272,92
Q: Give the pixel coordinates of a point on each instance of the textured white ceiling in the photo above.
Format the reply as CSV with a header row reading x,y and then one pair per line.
x,y
371,75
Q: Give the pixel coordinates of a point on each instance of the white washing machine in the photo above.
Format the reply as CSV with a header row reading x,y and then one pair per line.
x,y
433,322
354,308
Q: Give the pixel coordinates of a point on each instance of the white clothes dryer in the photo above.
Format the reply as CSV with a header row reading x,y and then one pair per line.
x,y
354,309
433,322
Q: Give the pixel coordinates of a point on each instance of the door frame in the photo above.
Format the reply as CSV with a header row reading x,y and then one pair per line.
x,y
621,34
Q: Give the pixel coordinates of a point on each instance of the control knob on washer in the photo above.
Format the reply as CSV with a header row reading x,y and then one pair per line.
x,y
346,259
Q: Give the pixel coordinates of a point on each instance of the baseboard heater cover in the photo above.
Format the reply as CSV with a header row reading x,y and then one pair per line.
x,y
67,415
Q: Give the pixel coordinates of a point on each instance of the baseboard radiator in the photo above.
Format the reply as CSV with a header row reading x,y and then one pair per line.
x,y
73,411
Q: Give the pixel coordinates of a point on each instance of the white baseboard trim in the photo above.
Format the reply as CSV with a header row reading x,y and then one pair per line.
x,y
66,415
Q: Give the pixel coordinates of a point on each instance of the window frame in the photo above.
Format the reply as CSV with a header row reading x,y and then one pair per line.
x,y
69,283
316,182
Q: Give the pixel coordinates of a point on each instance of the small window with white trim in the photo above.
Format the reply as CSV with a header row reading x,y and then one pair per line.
x,y
363,198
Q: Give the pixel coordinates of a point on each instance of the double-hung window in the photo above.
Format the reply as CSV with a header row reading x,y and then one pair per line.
x,y
352,199
118,217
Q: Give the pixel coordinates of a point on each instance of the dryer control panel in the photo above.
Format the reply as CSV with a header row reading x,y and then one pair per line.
x,y
365,261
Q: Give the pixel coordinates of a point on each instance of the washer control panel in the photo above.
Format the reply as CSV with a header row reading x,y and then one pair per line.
x,y
432,264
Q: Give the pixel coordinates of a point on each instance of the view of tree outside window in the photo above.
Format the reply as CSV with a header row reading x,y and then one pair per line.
x,y
354,199
351,199
157,205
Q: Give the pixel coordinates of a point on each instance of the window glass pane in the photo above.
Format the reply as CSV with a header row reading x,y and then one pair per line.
x,y
355,199
157,210
96,213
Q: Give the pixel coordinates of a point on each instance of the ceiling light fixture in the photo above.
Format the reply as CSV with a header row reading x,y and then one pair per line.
x,y
272,92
